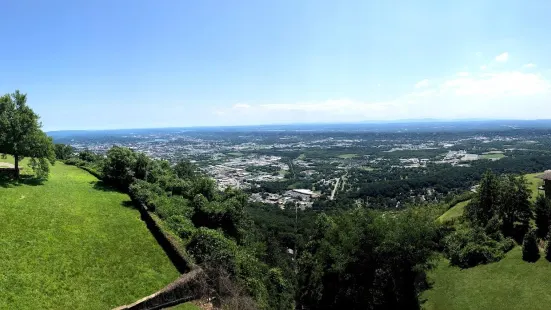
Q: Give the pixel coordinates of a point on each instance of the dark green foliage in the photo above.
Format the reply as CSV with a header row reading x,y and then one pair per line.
x,y
181,225
514,204
530,249
548,245
88,156
21,136
210,248
280,293
160,173
63,151
471,247
502,204
364,260
119,167
485,205
173,205
542,213
142,165
145,192
185,170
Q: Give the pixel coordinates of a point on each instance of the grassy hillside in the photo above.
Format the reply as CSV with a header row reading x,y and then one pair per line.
x,y
454,212
71,243
534,183
508,284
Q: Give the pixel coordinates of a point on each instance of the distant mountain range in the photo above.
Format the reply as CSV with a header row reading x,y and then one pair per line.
x,y
413,125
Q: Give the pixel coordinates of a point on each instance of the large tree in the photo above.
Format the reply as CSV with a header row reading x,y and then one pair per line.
x,y
21,136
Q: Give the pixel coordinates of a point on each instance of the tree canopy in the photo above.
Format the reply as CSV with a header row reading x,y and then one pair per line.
x,y
21,135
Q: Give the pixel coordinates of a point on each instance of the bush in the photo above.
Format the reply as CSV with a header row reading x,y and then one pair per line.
x,y
145,193
75,162
471,247
119,167
475,254
530,250
548,246
181,225
172,206
211,249
507,245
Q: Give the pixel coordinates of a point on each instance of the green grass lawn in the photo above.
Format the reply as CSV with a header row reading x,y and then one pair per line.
x,y
534,183
508,284
71,243
348,156
492,156
454,212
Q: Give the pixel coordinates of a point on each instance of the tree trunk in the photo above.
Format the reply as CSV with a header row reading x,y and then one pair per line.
x,y
16,173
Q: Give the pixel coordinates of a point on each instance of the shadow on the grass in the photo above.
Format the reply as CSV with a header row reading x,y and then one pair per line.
x,y
102,186
128,204
7,181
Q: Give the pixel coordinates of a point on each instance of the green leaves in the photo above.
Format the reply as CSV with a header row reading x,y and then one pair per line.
x,y
21,136
365,259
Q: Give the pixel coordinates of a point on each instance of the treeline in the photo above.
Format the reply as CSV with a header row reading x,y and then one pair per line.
x,y
278,259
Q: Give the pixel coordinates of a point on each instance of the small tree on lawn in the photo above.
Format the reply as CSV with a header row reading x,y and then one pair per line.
x,y
530,250
21,136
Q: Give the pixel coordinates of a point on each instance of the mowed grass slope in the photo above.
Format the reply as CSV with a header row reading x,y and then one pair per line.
x,y
71,243
454,212
508,284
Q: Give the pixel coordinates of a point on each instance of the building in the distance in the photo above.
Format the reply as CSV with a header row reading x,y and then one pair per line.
x,y
305,194
546,177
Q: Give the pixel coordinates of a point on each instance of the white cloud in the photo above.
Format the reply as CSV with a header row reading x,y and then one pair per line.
x,y
502,57
483,67
421,84
498,84
491,93
528,66
241,106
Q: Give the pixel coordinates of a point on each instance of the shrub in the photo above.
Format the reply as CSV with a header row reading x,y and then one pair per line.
x,y
74,161
507,245
471,247
181,225
119,167
548,246
530,250
145,193
210,248
475,254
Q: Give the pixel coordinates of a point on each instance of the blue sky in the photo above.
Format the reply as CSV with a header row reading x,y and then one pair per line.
x,y
128,64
